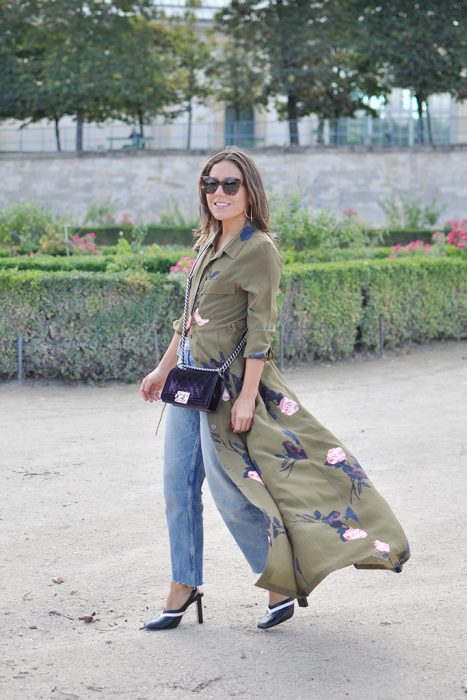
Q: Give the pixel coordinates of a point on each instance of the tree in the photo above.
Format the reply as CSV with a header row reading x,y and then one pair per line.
x,y
237,79
94,59
306,49
144,73
194,55
418,45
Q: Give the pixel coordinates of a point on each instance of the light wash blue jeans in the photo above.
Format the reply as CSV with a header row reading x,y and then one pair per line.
x,y
189,456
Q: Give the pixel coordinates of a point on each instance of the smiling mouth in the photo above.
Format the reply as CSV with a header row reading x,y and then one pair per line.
x,y
222,204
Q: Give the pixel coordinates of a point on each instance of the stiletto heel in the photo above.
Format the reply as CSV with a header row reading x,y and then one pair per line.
x,y
168,619
200,610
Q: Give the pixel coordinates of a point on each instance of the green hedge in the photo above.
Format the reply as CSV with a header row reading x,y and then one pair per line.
x,y
163,235
82,325
331,309
97,326
159,262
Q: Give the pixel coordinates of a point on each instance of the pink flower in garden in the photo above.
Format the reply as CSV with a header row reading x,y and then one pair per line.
x,y
354,533
198,318
255,476
336,455
288,406
381,546
350,212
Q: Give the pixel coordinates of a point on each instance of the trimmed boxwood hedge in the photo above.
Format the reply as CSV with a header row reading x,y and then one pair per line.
x,y
159,262
162,235
95,326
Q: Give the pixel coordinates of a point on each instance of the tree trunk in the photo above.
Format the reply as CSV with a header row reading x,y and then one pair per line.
x,y
57,133
320,130
428,123
79,129
419,100
292,115
141,122
190,120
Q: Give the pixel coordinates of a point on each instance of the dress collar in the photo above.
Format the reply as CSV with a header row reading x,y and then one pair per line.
x,y
233,247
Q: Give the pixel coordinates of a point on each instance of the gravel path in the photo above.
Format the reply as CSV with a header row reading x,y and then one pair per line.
x,y
81,499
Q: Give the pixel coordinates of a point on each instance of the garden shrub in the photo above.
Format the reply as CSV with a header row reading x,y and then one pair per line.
x,y
154,261
98,325
81,325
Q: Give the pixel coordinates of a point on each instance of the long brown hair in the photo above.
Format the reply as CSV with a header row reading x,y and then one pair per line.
x,y
258,210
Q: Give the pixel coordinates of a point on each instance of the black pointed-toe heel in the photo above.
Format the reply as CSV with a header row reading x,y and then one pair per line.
x,y
168,619
275,614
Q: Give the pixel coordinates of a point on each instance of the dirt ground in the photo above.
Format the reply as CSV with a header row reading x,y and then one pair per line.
x,y
81,499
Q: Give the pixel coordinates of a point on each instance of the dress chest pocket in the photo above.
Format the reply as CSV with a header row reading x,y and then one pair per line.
x,y
219,287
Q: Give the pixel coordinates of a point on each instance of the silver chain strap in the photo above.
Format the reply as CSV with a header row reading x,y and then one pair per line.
x,y
220,370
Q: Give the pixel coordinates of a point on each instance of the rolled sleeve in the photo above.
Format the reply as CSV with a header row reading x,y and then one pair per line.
x,y
178,325
263,275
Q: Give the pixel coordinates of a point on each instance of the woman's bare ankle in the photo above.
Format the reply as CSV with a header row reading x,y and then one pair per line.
x,y
178,594
275,598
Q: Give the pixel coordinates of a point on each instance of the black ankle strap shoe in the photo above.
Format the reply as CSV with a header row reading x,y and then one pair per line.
x,y
275,614
168,619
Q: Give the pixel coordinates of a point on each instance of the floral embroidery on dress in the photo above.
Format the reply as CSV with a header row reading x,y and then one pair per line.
x,y
334,520
288,406
381,546
293,453
354,533
337,458
226,395
252,474
274,524
239,449
198,318
336,455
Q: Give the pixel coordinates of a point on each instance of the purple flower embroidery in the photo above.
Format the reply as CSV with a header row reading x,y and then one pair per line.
x,y
288,406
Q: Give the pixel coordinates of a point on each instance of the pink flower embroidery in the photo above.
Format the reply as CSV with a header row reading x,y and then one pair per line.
x,y
199,320
381,546
226,395
354,533
336,455
288,406
254,475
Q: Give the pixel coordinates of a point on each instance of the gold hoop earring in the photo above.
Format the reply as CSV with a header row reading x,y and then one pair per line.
x,y
249,216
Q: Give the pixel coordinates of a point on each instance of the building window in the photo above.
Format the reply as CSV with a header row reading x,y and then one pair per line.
x,y
239,129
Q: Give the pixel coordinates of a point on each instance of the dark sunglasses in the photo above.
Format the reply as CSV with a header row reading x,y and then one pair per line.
x,y
230,185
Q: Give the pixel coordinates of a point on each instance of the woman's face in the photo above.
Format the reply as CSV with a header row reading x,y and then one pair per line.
x,y
228,208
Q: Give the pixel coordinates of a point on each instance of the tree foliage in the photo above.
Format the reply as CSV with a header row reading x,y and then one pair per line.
x,y
420,45
306,53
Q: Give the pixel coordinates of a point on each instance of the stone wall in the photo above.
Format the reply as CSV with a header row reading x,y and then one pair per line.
x,y
146,184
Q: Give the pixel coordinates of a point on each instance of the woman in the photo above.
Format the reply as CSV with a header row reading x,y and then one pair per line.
x,y
297,502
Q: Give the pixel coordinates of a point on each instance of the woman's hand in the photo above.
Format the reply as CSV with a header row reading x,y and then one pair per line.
x,y
153,383
242,413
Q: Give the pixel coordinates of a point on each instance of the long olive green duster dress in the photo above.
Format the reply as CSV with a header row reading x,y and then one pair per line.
x,y
321,509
